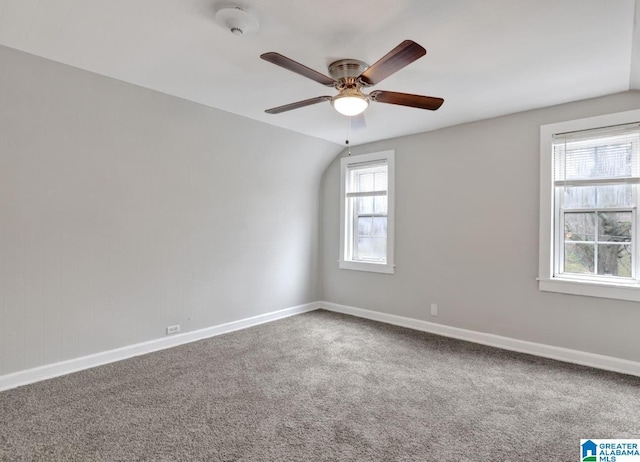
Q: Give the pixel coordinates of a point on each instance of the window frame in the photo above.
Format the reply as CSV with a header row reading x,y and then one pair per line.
x,y
548,280
345,260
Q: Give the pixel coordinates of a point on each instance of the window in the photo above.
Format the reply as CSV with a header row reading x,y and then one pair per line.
x,y
366,211
590,175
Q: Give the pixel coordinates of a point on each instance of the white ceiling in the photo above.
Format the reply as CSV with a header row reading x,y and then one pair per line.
x,y
485,58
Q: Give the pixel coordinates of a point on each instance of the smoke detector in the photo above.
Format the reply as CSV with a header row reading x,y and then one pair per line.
x,y
236,20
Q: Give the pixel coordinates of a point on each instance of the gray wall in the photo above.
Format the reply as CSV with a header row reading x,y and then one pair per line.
x,y
467,205
123,210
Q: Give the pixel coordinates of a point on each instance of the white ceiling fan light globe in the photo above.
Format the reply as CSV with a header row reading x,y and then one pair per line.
x,y
350,104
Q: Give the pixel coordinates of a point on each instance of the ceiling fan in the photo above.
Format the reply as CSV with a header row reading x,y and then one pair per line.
x,y
350,76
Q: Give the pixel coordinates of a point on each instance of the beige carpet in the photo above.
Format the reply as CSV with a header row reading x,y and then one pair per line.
x,y
320,387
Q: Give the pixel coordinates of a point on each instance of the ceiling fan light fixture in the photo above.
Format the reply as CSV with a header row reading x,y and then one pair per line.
x,y
350,102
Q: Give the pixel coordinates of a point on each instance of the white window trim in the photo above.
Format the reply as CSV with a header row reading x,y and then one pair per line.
x,y
573,285
389,266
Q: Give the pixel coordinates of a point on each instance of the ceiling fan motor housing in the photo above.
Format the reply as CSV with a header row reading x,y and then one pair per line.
x,y
345,70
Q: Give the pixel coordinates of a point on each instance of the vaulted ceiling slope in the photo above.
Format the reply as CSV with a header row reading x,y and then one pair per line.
x,y
485,59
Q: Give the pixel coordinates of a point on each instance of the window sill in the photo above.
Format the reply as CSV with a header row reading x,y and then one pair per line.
x,y
370,267
629,292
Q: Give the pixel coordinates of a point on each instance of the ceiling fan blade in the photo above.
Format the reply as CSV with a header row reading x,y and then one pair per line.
x,y
298,104
294,66
401,56
406,99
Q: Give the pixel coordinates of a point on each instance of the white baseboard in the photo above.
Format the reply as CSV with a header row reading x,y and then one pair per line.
x,y
49,371
506,343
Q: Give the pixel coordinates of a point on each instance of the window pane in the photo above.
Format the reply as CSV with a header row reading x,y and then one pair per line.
x,y
614,226
579,226
576,197
614,195
365,226
364,250
578,258
380,205
371,248
380,227
365,182
614,260
619,195
379,250
586,161
371,178
381,181
365,205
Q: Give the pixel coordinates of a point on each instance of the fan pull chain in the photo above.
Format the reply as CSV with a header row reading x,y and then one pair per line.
x,y
348,135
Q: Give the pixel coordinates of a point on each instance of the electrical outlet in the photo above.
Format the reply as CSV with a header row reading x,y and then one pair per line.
x,y
173,329
434,309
